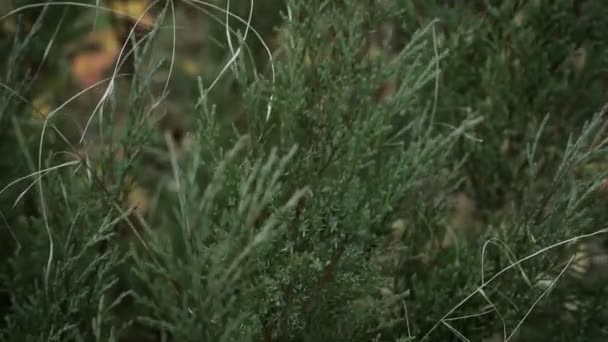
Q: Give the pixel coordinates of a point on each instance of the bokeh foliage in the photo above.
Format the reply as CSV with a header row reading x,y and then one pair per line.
x,y
393,171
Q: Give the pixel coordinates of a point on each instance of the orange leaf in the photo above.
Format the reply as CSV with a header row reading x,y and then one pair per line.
x,y
90,66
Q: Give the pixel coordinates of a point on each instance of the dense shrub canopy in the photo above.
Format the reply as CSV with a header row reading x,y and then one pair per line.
x,y
303,171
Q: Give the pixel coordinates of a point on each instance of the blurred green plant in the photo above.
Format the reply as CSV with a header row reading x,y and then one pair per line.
x,y
389,173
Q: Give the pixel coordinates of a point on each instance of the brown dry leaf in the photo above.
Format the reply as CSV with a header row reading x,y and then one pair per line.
x,y
138,198
90,66
307,59
386,90
374,51
604,185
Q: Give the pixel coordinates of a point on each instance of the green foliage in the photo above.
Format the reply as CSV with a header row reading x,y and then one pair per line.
x,y
321,196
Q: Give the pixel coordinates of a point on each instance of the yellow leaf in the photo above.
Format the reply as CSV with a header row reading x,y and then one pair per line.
x,y
133,9
138,198
42,107
191,67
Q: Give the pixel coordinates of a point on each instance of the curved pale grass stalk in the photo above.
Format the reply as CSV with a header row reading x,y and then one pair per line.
x,y
510,255
47,50
77,162
10,231
44,213
63,3
39,174
51,115
236,53
513,265
47,271
545,292
121,57
24,100
172,54
195,3
228,31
